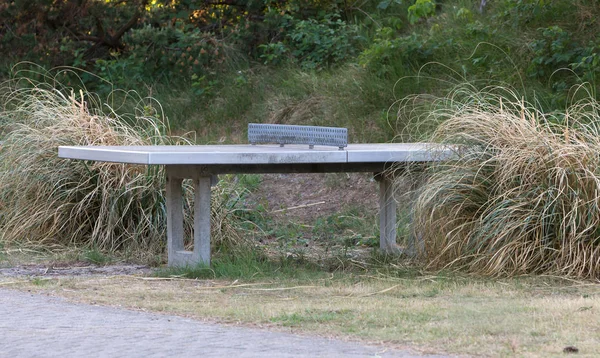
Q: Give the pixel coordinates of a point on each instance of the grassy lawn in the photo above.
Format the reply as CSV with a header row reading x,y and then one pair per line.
x,y
398,306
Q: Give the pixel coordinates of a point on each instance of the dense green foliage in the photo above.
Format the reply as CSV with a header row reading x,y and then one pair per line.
x,y
542,47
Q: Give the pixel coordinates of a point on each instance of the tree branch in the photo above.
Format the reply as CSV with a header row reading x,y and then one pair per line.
x,y
90,38
131,23
112,41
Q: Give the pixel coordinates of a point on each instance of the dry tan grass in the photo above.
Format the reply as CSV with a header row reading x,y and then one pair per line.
x,y
50,202
524,194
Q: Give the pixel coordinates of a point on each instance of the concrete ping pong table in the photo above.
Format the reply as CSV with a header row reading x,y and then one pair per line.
x,y
201,163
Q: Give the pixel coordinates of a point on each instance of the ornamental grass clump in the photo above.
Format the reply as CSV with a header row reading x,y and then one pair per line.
x,y
522,196
51,202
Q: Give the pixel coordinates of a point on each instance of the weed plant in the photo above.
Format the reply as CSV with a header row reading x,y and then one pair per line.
x,y
53,202
522,196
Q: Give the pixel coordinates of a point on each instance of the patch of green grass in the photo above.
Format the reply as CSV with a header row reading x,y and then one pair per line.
x,y
289,234
318,316
352,227
254,219
40,281
247,265
97,257
250,182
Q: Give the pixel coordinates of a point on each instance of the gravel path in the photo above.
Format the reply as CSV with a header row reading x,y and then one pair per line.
x,y
41,326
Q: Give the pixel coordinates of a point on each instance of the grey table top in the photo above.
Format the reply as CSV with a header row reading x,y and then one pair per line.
x,y
258,154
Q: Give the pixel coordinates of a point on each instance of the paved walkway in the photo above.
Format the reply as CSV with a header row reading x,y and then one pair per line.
x,y
41,326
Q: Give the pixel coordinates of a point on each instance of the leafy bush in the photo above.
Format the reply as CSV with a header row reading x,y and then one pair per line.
x,y
388,54
314,44
322,43
30,30
527,13
421,9
160,52
557,56
556,49
588,65
522,195
152,55
274,53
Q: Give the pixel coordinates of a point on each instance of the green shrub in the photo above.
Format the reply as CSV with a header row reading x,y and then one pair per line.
x,y
313,44
391,55
322,43
524,13
274,53
153,55
559,57
161,52
589,64
421,9
555,50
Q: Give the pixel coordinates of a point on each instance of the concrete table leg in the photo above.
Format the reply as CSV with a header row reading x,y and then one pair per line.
x,y
174,221
415,243
202,219
387,215
178,256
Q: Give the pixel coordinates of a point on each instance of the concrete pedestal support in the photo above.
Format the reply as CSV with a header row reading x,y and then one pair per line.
x,y
387,215
178,256
202,215
415,244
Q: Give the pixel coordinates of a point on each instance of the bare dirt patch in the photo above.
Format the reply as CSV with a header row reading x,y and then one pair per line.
x,y
306,197
73,269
